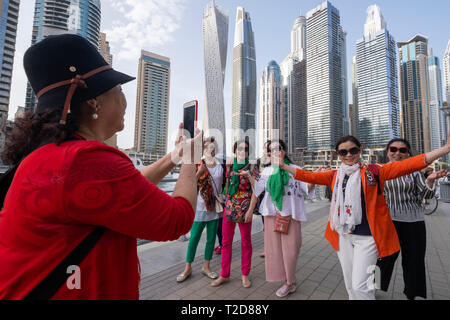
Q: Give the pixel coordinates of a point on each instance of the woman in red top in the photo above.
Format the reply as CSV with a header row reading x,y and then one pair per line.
x,y
68,183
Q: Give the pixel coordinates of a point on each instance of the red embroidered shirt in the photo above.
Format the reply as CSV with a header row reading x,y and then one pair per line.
x,y
58,196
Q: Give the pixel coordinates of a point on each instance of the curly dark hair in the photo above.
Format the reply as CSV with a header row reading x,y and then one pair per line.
x,y
36,130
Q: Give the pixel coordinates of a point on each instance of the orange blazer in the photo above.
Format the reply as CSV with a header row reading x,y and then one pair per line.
x,y
378,215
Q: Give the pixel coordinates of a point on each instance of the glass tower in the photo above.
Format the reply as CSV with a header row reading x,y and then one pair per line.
x,y
215,41
51,17
244,79
152,104
377,89
324,77
446,73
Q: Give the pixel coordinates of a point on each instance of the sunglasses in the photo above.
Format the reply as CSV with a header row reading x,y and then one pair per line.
x,y
352,151
242,149
277,148
395,149
210,147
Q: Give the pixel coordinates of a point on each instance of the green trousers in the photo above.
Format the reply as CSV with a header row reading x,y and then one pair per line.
x,y
196,234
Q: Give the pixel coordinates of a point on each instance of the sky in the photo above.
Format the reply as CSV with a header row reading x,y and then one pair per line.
x,y
173,28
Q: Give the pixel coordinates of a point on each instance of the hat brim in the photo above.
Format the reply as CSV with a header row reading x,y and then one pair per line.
x,y
96,85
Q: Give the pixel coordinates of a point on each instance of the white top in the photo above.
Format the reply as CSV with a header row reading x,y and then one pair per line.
x,y
293,200
217,175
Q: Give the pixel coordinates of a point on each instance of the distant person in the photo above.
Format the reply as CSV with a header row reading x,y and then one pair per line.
x,y
283,201
360,227
238,193
209,177
404,197
75,201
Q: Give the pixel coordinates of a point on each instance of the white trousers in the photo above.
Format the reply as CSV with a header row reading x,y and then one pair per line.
x,y
358,256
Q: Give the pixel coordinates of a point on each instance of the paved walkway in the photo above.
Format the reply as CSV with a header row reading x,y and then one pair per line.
x,y
319,275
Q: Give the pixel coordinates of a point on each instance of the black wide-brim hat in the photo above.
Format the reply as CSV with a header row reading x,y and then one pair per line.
x,y
61,58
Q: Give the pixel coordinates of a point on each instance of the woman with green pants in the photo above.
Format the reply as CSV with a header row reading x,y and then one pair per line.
x,y
210,176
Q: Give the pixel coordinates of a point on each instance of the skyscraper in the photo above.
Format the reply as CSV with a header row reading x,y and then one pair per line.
x,y
415,93
294,102
446,72
152,104
215,42
51,17
9,15
244,78
271,113
437,117
344,89
377,89
324,77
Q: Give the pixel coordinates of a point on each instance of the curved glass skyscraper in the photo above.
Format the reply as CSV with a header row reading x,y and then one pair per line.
x,y
215,41
244,78
52,17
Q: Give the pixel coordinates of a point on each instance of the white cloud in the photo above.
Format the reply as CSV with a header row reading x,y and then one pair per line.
x,y
146,23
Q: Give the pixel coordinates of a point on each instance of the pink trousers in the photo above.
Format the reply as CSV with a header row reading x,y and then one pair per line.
x,y
227,243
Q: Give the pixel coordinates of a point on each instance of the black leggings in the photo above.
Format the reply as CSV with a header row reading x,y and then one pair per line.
x,y
412,236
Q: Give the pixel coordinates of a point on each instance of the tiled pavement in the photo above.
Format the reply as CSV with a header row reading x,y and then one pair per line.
x,y
319,275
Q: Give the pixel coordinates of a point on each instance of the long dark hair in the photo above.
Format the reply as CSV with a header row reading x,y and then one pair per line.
x,y
32,131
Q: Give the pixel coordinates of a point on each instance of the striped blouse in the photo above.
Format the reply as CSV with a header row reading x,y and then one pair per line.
x,y
404,197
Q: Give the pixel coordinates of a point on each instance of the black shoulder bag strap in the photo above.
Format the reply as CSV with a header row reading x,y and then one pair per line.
x,y
51,284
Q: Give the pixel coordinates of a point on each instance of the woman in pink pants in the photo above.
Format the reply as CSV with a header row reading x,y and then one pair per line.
x,y
238,194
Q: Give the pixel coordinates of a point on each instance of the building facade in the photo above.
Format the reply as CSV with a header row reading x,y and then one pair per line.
x,y
376,81
293,70
353,108
324,77
415,93
271,112
446,72
105,49
51,17
152,104
215,43
244,79
9,15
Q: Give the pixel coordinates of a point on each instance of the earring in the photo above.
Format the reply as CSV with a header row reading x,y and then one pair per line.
x,y
95,116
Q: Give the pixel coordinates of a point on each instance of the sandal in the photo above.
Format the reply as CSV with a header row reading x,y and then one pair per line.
x,y
181,277
247,284
211,275
219,281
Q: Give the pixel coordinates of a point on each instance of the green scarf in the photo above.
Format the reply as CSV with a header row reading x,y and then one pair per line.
x,y
234,181
277,180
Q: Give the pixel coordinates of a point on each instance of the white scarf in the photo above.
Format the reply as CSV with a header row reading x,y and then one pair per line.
x,y
346,214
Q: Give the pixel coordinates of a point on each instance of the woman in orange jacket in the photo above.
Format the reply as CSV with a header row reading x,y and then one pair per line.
x,y
360,227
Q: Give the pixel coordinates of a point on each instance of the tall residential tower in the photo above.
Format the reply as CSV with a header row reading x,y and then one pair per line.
x,y
415,93
152,104
324,52
9,15
244,78
377,89
271,113
293,70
